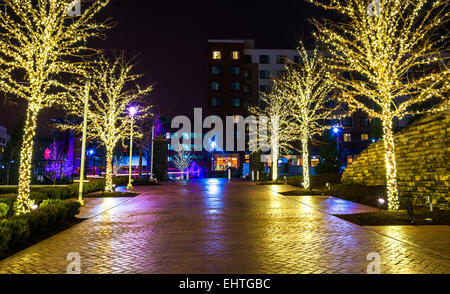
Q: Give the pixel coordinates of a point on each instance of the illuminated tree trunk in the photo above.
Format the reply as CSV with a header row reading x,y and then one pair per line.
x,y
23,203
305,159
275,161
391,167
275,146
109,159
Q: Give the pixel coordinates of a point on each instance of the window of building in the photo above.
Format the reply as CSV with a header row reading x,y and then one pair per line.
x,y
264,59
216,55
347,137
248,59
216,70
246,105
222,162
281,74
235,102
235,86
216,86
281,59
264,89
364,137
347,122
235,55
248,73
216,102
349,159
235,70
248,89
364,122
264,74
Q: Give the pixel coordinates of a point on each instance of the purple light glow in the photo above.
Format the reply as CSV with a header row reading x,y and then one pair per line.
x,y
132,110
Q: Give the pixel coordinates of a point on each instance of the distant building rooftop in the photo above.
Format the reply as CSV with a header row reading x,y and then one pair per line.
x,y
248,44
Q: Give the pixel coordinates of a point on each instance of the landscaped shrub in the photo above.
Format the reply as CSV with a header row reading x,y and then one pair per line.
x,y
39,221
120,180
9,200
5,238
4,208
41,194
144,182
38,197
20,230
8,190
52,214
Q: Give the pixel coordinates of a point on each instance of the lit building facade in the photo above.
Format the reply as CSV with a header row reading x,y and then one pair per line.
x,y
232,88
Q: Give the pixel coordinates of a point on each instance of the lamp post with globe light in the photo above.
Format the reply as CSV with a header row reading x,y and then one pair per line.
x,y
91,155
336,130
132,111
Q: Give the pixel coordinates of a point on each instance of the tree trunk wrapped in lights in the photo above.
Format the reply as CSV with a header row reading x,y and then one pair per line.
x,y
114,90
41,48
388,59
281,130
109,169
308,89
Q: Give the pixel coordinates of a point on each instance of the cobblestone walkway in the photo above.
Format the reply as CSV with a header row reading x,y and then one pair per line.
x,y
215,226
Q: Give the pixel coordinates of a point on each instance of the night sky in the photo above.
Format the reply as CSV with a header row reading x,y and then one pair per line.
x,y
171,40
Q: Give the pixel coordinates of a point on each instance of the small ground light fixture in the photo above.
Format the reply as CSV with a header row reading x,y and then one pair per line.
x,y
381,202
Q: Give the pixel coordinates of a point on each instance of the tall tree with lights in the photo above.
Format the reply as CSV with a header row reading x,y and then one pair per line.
x,y
281,130
308,88
39,44
114,89
387,58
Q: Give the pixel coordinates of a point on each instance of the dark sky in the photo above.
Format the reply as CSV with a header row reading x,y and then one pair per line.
x,y
171,38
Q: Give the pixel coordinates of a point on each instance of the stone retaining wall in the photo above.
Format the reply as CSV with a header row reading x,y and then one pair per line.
x,y
423,162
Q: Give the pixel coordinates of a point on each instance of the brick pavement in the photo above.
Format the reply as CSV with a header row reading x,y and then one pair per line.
x,y
215,226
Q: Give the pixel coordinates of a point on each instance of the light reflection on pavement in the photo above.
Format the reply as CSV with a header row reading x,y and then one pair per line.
x,y
217,226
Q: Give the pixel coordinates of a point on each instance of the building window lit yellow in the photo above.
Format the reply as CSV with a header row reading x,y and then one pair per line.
x,y
347,137
349,159
235,55
217,55
364,137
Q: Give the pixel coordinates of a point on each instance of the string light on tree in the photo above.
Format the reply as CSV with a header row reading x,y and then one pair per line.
x,y
113,89
281,130
387,60
308,89
41,47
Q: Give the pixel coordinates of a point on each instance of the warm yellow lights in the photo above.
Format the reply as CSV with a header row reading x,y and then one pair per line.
x,y
217,55
39,44
281,129
306,86
387,62
113,92
296,108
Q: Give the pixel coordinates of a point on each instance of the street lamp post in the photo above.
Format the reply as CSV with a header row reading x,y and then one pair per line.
x,y
213,146
336,130
151,161
132,111
91,156
83,142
